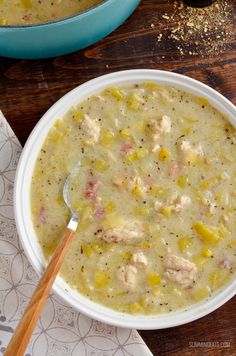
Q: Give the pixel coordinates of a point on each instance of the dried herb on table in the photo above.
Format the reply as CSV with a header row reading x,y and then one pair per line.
x,y
199,31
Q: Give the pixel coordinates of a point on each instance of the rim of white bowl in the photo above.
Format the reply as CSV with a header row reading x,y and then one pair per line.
x,y
22,198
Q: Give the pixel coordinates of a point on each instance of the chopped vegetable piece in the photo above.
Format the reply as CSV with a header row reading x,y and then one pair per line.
x,y
183,181
107,137
163,154
101,165
202,293
185,243
153,279
206,252
102,279
206,233
166,211
135,308
87,250
115,92
77,115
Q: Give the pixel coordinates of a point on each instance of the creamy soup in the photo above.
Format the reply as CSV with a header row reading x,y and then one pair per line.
x,y
156,193
23,12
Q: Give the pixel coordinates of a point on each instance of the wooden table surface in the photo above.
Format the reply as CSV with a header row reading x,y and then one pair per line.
x,y
29,88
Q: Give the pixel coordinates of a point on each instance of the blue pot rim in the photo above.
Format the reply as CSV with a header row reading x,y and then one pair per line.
x,y
64,20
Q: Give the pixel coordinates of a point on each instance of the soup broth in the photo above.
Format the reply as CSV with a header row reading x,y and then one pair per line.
x,y
156,195
24,12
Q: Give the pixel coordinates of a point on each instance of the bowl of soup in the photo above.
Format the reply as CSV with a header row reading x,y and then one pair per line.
x,y
155,191
40,29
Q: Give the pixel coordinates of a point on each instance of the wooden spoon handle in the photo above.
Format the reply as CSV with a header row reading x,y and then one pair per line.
x,y
27,324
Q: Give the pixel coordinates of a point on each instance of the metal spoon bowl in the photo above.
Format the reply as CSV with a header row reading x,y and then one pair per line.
x,y
75,218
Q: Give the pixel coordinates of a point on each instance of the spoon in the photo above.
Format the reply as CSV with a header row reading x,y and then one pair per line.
x,y
25,328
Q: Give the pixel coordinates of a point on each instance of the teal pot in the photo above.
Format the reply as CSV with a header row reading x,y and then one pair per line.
x,y
66,35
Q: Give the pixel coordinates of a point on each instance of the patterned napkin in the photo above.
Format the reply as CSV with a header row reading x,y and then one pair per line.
x,y
61,330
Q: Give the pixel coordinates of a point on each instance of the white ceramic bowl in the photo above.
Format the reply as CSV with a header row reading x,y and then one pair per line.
x,y
22,198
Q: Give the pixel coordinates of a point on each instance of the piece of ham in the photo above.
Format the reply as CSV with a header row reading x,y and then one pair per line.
x,y
91,189
99,212
43,215
225,263
126,148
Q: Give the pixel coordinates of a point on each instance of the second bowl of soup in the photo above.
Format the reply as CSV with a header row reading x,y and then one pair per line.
x,y
41,29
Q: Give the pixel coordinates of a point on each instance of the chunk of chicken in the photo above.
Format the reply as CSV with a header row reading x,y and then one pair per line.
x,y
158,205
130,183
176,203
156,148
139,259
190,154
160,127
127,275
180,270
180,203
129,231
225,176
111,156
137,182
165,124
175,169
100,98
91,130
225,218
118,181
211,208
